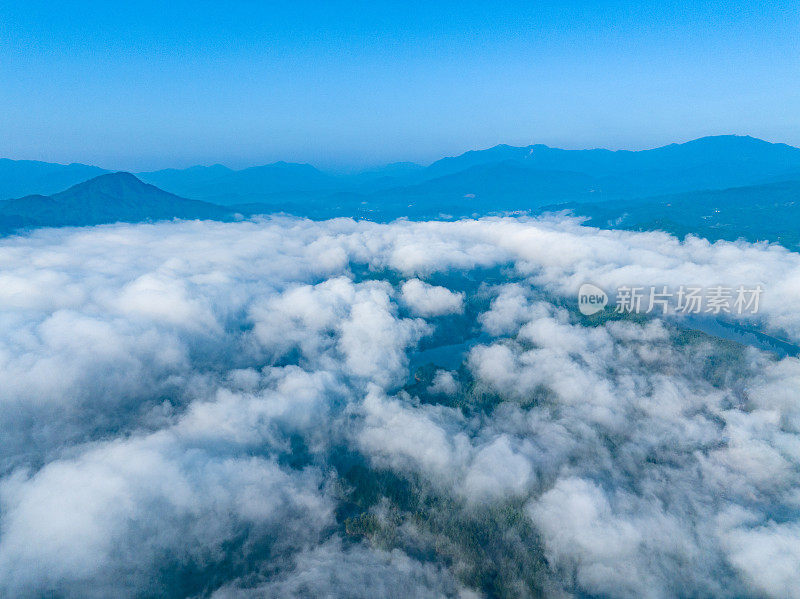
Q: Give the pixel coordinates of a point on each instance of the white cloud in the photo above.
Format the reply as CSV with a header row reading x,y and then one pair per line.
x,y
444,382
175,395
431,300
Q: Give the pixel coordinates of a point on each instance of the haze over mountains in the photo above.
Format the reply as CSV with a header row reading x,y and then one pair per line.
x,y
678,188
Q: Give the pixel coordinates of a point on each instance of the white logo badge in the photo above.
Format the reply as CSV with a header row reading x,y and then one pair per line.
x,y
591,299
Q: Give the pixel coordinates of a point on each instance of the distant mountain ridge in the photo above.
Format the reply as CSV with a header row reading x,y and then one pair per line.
x,y
707,163
225,186
722,187
29,177
705,151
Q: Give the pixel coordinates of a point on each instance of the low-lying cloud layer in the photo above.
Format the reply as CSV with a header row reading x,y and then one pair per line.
x,y
291,408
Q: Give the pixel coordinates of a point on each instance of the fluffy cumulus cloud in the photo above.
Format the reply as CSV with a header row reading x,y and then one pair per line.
x,y
292,408
431,300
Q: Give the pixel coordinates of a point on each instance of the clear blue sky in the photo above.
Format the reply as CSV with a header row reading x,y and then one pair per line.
x,y
141,85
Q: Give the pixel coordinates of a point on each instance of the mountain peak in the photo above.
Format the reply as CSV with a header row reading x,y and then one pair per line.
x,y
108,198
119,176
111,184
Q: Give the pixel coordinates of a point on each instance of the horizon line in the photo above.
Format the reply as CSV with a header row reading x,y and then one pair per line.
x,y
354,171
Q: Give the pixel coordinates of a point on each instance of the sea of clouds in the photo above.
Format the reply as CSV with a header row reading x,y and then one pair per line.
x,y
282,408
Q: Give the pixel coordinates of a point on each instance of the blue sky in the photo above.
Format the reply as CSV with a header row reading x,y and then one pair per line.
x,y
142,85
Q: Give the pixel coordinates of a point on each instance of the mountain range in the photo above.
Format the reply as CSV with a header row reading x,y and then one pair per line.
x,y
721,187
768,212
707,163
29,177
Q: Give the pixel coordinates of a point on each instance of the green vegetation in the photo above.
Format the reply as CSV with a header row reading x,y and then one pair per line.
x,y
492,548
